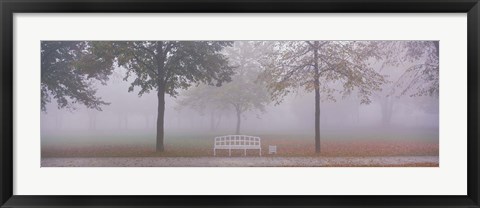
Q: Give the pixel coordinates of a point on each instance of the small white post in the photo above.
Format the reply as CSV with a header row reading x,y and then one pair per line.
x,y
229,152
245,152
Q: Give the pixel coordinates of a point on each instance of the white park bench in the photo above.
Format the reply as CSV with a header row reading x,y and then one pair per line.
x,y
237,142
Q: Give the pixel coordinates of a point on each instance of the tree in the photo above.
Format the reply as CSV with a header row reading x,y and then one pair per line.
x,y
166,66
68,69
320,66
419,78
204,99
243,94
412,68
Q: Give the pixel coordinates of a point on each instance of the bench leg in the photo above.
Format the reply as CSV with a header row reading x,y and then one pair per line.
x,y
229,152
214,153
260,151
245,152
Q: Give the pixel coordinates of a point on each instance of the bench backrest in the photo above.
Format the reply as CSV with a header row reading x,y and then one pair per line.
x,y
237,140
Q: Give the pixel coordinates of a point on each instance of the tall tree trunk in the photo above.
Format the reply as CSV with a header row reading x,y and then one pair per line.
x,y
90,126
91,120
212,120
58,121
94,122
160,118
219,119
120,121
357,114
387,111
161,82
317,98
147,122
239,120
125,117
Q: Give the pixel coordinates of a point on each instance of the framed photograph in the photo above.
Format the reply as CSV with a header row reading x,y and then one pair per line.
x,y
239,104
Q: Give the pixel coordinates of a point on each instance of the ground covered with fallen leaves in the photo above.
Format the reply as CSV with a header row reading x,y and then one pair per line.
x,y
292,150
285,148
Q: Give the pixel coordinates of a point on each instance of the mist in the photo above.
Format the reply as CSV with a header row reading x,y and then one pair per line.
x,y
131,119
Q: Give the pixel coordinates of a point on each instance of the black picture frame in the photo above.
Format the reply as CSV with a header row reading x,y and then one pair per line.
x,y
9,7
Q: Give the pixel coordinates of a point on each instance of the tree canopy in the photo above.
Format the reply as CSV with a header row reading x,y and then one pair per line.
x,y
290,66
67,70
170,65
243,94
420,77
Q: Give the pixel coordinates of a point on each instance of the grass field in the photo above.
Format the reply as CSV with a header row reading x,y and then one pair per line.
x,y
333,144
